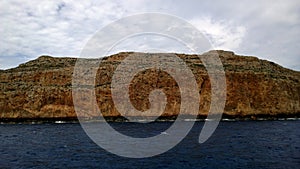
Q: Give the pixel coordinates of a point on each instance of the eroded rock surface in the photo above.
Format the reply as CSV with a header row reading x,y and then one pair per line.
x,y
42,88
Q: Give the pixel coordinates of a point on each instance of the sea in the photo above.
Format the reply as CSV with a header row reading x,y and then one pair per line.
x,y
234,144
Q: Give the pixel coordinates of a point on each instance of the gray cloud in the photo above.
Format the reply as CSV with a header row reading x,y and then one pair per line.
x,y
268,29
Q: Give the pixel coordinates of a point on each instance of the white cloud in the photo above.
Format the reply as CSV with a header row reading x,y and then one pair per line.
x,y
281,12
59,28
223,35
150,43
268,29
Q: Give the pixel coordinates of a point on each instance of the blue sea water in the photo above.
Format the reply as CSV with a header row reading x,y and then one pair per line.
x,y
240,144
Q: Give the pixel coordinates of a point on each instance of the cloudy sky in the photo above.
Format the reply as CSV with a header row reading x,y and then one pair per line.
x,y
268,29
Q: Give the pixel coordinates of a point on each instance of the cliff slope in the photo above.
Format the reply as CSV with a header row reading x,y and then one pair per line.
x,y
42,88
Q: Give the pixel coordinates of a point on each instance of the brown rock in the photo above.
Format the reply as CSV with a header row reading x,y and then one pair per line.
x,y
42,88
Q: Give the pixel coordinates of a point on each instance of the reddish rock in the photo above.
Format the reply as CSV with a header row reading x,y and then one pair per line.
x,y
42,88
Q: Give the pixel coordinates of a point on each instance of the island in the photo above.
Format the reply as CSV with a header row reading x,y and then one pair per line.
x,y
41,89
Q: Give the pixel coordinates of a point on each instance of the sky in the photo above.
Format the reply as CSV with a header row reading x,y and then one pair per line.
x,y
268,29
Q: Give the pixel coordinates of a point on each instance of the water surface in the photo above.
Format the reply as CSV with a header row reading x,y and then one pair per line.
x,y
241,144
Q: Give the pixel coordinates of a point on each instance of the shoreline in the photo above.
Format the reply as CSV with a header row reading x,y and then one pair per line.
x,y
121,119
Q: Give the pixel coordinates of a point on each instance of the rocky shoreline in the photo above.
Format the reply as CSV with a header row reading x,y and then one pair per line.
x,y
41,90
138,119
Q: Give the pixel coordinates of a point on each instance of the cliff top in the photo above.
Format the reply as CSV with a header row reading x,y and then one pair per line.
x,y
230,60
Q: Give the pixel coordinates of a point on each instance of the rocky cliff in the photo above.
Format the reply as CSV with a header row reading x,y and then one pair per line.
x,y
42,88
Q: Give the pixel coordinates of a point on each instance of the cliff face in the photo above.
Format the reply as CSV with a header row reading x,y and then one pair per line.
x,y
42,88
